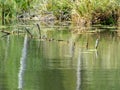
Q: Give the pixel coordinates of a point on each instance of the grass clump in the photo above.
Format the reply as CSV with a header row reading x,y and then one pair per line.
x,y
86,11
81,12
10,9
60,8
98,11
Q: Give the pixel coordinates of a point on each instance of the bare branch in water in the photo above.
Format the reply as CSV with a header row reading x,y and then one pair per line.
x,y
39,29
28,32
5,32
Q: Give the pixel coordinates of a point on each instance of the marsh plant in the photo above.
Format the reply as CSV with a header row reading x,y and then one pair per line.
x,y
60,8
11,8
97,11
86,11
81,12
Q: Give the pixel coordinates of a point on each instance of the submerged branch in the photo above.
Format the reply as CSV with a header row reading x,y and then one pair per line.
x,y
5,32
96,43
29,32
39,30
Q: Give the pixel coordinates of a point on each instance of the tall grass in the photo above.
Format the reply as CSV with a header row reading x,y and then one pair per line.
x,y
60,8
94,11
100,11
9,8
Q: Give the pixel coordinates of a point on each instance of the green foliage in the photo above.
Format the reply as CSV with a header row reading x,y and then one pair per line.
x,y
9,8
105,12
89,9
60,8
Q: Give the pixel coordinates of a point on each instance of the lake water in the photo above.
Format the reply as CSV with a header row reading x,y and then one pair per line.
x,y
65,61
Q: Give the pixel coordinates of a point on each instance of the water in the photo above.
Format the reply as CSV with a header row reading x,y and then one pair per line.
x,y
62,64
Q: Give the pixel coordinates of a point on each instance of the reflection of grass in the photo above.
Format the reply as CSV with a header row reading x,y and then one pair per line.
x,y
59,35
10,56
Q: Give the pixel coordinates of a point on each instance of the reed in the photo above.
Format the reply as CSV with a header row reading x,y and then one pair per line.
x,y
79,11
97,11
87,11
10,8
60,8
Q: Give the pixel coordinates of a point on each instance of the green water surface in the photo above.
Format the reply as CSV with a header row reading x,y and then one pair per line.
x,y
65,64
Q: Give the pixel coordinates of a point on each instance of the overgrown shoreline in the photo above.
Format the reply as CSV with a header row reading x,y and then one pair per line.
x,y
79,12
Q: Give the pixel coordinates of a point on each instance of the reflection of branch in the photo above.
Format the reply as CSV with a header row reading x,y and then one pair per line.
x,y
7,47
22,63
78,73
72,48
96,54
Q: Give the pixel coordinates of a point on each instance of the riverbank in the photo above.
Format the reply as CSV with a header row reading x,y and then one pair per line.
x,y
82,13
87,12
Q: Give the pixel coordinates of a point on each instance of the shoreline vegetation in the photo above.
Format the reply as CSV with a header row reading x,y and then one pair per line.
x,y
83,13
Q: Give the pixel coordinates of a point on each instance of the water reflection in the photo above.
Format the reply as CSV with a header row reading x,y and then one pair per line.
x,y
66,66
7,47
78,72
60,65
71,48
22,63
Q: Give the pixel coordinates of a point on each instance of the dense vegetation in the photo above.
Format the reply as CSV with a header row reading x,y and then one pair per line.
x,y
81,12
88,11
11,8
